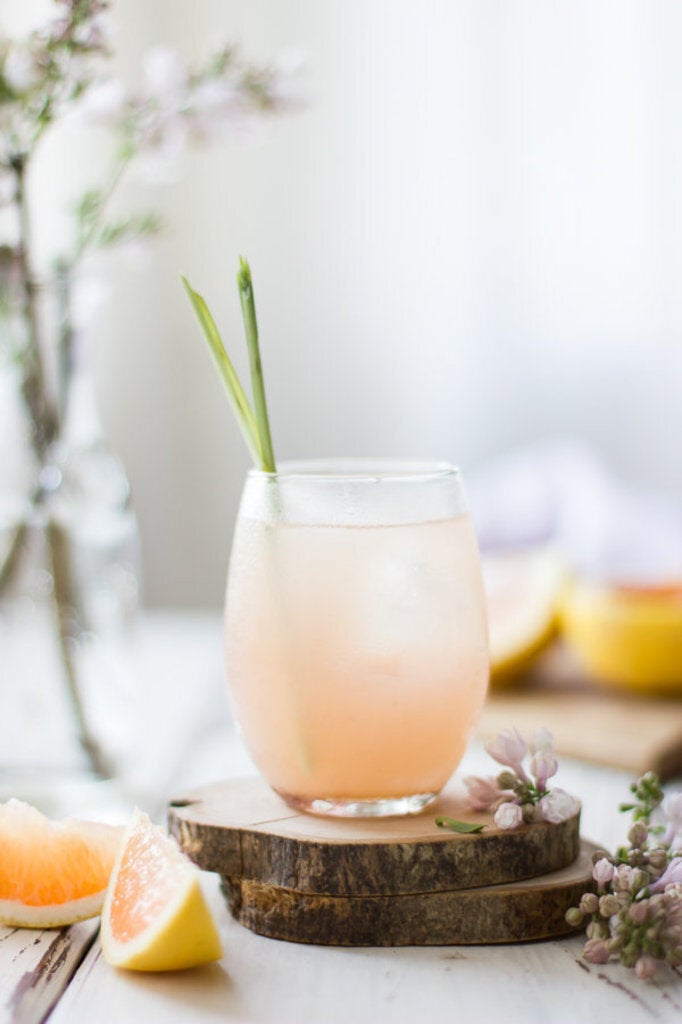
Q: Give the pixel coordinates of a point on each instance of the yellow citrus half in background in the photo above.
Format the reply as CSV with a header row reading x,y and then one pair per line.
x,y
52,873
523,589
155,917
626,636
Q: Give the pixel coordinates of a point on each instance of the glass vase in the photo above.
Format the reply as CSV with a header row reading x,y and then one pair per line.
x,y
68,560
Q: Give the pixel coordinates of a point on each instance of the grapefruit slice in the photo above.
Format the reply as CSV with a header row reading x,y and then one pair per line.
x,y
52,873
523,589
155,917
627,636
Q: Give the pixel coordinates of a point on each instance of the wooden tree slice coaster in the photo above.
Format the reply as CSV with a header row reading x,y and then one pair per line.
x,y
244,831
516,912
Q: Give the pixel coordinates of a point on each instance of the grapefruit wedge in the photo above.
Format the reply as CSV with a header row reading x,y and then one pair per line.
x,y
155,917
627,636
523,589
52,873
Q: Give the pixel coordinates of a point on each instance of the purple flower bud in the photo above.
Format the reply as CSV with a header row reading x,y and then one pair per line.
x,y
542,739
165,71
481,792
638,880
543,765
558,806
507,780
602,872
672,809
638,912
596,951
528,812
674,892
104,103
574,917
508,748
609,905
638,834
645,967
657,902
658,858
597,930
508,816
589,903
671,876
622,878
21,71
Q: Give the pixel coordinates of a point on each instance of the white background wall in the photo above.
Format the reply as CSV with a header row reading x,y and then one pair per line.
x,y
470,239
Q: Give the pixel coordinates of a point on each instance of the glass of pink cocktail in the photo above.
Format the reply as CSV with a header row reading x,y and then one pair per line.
x,y
356,635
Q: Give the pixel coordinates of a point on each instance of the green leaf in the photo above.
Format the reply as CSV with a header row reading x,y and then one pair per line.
x,y
464,827
240,403
116,232
245,285
88,206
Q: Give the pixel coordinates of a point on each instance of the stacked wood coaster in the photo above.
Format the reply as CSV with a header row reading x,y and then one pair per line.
x,y
381,881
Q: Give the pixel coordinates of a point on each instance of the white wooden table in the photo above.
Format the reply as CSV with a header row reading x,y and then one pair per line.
x,y
61,974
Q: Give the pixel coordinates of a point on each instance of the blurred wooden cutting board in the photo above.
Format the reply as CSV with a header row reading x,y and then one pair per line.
x,y
603,725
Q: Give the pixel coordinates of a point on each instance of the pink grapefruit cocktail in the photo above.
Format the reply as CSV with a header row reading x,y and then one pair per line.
x,y
355,632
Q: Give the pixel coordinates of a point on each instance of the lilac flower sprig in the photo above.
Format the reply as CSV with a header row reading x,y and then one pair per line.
x,y
636,913
517,794
62,69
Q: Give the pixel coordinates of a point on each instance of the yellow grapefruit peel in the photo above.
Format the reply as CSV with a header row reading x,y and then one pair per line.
x,y
155,916
626,637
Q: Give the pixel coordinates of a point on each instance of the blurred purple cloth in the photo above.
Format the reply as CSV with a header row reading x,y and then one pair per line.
x,y
560,491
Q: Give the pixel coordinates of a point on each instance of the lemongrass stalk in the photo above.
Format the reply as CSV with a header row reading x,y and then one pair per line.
x,y
235,392
245,286
256,430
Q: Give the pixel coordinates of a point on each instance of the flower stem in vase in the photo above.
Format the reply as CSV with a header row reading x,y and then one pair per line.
x,y
13,553
68,629
34,390
45,423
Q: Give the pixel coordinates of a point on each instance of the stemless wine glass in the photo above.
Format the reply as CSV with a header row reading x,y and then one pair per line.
x,y
356,635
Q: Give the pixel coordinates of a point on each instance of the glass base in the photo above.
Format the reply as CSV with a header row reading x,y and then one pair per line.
x,y
341,807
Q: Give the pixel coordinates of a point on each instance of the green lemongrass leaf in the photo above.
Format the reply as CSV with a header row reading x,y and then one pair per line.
x,y
246,299
463,827
240,403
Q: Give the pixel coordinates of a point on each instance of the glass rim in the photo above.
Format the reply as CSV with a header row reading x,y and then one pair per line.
x,y
362,469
